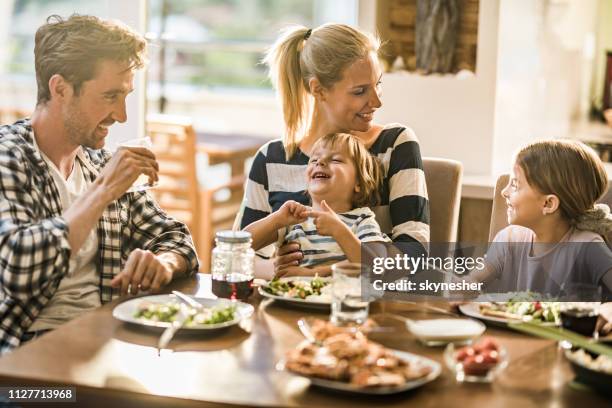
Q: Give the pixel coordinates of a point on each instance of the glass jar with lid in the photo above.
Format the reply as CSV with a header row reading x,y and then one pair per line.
x,y
232,265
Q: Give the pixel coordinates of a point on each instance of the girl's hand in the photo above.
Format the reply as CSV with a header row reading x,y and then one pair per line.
x,y
292,212
327,221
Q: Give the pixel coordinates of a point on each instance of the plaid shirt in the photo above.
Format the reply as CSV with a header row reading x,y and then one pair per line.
x,y
34,248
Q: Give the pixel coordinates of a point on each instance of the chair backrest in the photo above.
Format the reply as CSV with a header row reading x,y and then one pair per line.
x,y
443,179
499,217
174,145
11,115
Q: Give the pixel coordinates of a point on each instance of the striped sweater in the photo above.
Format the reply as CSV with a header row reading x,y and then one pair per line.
x,y
403,213
318,249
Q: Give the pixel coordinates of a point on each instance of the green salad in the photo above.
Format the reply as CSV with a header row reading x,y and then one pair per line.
x,y
169,312
520,308
298,289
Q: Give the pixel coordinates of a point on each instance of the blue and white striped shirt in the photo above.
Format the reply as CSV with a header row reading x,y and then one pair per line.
x,y
320,249
403,213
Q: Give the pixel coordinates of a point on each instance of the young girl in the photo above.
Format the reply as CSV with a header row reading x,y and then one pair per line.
x,y
343,180
555,241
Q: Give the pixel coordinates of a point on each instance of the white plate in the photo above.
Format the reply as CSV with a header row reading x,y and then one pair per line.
x,y
317,303
473,310
125,311
436,369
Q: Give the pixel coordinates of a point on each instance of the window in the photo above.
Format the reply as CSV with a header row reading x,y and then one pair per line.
x,y
216,45
19,20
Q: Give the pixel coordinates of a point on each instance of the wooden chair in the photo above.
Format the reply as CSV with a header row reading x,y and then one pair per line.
x,y
11,115
499,218
204,211
443,178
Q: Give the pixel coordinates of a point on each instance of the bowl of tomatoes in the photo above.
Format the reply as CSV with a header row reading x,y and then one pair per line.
x,y
480,362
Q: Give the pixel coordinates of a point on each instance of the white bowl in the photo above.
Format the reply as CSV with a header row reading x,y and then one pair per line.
x,y
438,332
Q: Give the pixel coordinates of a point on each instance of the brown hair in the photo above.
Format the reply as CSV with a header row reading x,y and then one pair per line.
x,y
368,169
575,174
300,54
72,48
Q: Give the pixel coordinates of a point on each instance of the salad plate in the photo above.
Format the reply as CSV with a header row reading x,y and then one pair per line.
x,y
305,291
159,311
501,313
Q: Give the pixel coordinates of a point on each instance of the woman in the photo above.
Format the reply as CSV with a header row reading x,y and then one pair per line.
x,y
329,81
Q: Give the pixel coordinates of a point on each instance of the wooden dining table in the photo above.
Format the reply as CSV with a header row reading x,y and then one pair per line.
x,y
115,364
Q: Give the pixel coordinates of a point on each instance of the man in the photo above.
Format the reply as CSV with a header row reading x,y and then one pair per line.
x,y
71,238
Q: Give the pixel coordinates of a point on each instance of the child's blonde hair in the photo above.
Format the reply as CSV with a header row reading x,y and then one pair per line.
x,y
368,170
301,54
574,173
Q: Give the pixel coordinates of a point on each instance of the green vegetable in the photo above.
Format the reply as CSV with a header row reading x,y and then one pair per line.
x,y
168,312
299,289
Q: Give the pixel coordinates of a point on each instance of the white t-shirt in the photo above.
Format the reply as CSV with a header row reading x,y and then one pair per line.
x,y
580,257
79,290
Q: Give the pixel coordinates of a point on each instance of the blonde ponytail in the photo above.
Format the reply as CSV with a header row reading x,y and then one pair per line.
x,y
286,75
301,54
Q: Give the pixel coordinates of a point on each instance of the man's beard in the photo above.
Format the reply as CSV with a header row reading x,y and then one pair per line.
x,y
76,129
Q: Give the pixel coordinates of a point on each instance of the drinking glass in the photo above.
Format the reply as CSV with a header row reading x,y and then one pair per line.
x,y
580,308
348,307
142,182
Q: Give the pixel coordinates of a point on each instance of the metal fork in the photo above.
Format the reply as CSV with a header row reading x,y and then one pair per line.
x,y
169,333
188,300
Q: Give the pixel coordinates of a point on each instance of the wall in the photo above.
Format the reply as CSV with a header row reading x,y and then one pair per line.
x,y
542,72
603,43
533,76
453,116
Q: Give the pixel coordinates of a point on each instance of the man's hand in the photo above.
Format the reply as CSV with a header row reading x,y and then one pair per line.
x,y
144,271
327,221
124,168
291,212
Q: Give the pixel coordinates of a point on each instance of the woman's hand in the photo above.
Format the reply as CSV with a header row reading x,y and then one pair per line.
x,y
288,255
294,271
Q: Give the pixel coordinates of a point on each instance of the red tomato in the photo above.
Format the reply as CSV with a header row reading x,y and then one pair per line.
x,y
464,352
475,365
490,356
487,343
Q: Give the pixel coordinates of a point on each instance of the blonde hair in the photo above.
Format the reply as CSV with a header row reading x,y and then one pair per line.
x,y
72,48
575,174
368,170
300,54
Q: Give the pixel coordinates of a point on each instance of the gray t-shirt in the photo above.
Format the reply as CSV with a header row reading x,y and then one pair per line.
x,y
581,258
